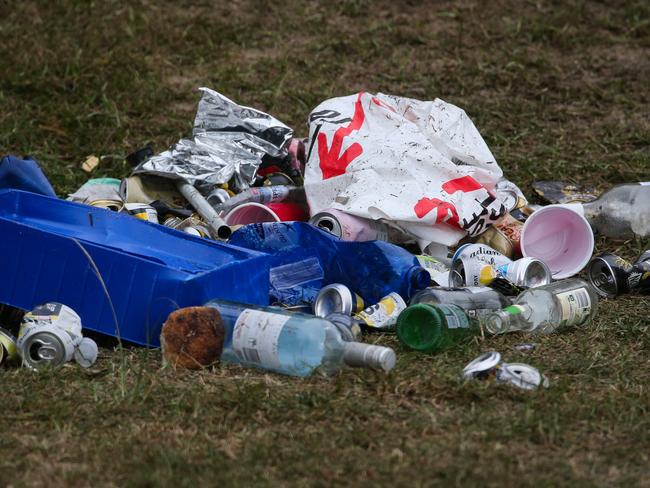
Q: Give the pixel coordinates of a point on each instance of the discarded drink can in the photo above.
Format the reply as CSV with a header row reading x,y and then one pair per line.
x,y
142,211
349,227
470,272
347,325
522,376
612,275
480,252
382,315
50,336
525,272
8,348
337,298
503,236
483,366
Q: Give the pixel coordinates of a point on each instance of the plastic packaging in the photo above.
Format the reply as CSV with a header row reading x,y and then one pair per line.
x,y
372,269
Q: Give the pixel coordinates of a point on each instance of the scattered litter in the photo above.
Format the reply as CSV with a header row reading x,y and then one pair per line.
x,y
90,163
490,366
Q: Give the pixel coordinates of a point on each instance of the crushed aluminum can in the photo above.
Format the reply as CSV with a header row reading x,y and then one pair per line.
x,y
608,274
522,376
337,298
142,211
50,335
482,367
8,348
349,227
383,315
503,236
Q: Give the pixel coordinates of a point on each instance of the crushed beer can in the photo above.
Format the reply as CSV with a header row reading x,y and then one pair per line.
x,y
350,227
382,316
612,275
50,335
490,366
8,348
480,252
525,272
337,298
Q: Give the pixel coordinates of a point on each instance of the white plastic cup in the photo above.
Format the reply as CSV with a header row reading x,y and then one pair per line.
x,y
560,237
250,213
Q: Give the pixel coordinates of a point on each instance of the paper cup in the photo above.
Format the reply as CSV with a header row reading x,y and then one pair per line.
x,y
560,237
250,213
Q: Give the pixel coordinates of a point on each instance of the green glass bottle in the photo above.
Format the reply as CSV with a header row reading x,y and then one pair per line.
x,y
432,328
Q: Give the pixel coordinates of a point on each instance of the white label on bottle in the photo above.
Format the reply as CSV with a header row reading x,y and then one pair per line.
x,y
456,319
576,306
383,315
255,337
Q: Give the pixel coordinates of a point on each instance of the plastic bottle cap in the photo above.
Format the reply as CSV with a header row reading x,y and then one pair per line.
x,y
419,327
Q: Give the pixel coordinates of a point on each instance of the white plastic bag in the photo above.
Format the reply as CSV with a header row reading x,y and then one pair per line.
x,y
421,166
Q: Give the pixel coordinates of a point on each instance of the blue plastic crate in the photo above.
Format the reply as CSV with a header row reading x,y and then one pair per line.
x,y
149,270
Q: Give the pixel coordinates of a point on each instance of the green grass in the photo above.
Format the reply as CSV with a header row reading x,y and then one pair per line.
x,y
558,90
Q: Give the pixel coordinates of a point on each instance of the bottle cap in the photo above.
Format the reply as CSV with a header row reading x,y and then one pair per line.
x,y
358,354
420,327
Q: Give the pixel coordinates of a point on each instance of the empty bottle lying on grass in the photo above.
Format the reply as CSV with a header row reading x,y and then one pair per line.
x,y
269,338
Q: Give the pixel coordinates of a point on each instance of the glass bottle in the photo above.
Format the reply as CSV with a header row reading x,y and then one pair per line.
x,y
546,308
432,328
295,344
622,212
476,301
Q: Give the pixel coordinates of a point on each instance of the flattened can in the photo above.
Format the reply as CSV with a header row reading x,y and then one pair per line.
x,y
522,376
337,298
382,316
142,211
8,348
482,367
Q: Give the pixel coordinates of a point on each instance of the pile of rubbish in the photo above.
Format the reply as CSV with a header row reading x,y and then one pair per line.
x,y
245,244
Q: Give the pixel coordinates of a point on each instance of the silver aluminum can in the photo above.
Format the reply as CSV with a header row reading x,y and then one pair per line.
x,y
337,298
608,274
483,366
42,346
528,272
522,376
382,315
142,211
481,252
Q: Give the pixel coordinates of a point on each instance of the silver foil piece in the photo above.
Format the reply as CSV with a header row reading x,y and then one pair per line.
x,y
229,142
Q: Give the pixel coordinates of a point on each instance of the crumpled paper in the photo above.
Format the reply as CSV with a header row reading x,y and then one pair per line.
x,y
421,166
229,142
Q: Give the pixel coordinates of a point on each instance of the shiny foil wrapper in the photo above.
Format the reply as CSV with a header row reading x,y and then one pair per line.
x,y
229,143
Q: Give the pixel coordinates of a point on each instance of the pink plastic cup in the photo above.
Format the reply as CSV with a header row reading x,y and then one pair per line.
x,y
560,237
250,213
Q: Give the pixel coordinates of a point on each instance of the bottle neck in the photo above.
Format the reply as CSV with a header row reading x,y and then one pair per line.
x,y
360,355
507,319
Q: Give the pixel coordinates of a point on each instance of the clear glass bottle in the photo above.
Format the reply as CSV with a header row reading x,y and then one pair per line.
x,y
621,212
476,301
295,344
546,308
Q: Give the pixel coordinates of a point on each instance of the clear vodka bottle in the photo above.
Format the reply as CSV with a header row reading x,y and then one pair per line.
x,y
545,308
295,344
477,302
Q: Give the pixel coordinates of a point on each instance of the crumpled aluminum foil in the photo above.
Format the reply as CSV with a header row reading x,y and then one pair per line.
x,y
229,141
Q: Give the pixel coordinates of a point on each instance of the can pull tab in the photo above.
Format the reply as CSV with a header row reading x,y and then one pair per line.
x,y
47,352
